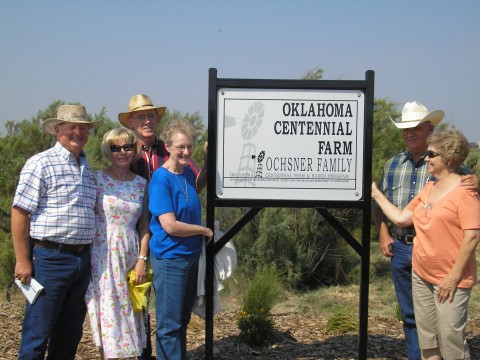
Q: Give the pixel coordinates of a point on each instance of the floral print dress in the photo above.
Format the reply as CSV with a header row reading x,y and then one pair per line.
x,y
115,327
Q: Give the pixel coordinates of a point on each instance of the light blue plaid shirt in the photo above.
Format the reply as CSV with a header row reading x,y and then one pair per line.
x,y
59,195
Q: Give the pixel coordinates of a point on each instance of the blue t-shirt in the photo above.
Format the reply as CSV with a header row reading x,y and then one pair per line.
x,y
167,193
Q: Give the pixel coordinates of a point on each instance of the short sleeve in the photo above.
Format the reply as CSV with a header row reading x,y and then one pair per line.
x,y
30,185
160,195
469,210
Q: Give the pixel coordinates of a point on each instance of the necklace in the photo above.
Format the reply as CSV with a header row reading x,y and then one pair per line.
x,y
186,188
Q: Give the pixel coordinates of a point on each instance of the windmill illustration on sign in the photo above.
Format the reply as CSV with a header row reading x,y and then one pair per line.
x,y
252,121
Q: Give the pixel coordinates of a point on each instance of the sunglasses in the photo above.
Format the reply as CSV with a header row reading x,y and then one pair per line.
x,y
118,148
431,154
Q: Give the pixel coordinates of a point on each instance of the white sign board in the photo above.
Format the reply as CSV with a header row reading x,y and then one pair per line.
x,y
290,144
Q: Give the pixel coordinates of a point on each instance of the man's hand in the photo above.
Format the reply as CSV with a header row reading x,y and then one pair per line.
x,y
386,242
470,182
23,271
385,239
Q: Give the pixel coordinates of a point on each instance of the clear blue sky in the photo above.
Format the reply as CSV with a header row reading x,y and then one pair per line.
x,y
100,53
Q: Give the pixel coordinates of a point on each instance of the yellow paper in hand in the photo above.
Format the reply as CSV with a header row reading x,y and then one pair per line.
x,y
137,292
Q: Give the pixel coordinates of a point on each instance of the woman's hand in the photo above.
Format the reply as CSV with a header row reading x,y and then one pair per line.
x,y
446,289
205,150
375,190
140,271
208,234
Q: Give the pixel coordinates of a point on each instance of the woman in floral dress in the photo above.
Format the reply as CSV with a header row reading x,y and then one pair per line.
x,y
120,245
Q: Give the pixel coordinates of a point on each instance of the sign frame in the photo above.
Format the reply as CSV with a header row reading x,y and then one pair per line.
x,y
254,204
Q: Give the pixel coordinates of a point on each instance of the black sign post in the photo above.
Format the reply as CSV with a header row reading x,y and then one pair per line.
x,y
251,122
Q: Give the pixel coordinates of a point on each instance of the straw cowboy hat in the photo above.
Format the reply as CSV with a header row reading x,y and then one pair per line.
x,y
414,113
138,103
68,114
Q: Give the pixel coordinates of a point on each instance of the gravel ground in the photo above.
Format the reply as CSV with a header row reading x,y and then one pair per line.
x,y
298,336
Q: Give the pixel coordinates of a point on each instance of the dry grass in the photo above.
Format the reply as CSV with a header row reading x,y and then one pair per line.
x,y
300,322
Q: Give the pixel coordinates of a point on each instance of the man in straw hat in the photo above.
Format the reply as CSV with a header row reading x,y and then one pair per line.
x,y
404,175
143,118
53,225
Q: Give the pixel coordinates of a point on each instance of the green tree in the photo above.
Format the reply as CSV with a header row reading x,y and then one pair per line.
x,y
387,139
24,139
93,146
313,74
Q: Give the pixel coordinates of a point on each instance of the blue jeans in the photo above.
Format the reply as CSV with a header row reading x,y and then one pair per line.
x,y
175,283
401,266
56,318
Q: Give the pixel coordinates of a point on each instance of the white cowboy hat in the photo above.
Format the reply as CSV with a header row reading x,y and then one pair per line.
x,y
68,114
138,103
414,113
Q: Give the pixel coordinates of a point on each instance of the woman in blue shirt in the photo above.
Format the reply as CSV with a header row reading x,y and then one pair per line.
x,y
176,241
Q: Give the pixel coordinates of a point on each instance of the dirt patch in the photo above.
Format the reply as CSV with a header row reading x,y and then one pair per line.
x,y
298,336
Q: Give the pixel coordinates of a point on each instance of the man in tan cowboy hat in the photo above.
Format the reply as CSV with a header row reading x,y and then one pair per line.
x,y
143,118
53,225
404,175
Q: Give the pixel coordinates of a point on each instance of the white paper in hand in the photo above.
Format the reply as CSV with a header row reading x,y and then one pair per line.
x,y
31,291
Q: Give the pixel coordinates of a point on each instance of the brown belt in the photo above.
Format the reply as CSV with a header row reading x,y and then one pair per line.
x,y
75,249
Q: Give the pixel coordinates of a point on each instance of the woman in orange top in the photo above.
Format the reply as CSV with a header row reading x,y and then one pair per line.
x,y
447,224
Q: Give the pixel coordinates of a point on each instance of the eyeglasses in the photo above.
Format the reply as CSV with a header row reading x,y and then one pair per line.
x,y
143,117
182,148
118,148
431,154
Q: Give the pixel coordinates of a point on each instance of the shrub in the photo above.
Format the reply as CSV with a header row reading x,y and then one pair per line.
x,y
7,264
342,321
255,329
255,321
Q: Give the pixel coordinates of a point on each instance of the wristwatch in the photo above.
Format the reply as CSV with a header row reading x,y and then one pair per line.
x,y
142,257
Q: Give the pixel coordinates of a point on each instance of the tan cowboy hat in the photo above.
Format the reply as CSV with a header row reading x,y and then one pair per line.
x,y
414,113
138,103
68,114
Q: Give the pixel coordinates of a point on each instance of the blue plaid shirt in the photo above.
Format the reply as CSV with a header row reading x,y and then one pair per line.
x,y
59,195
402,179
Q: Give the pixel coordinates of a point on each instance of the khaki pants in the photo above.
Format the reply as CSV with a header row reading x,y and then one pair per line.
x,y
440,325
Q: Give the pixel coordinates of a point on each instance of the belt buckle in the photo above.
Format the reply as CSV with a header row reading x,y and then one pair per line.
x,y
409,239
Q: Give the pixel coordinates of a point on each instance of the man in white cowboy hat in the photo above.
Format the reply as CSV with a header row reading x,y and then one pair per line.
x,y
404,175
53,225
143,118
